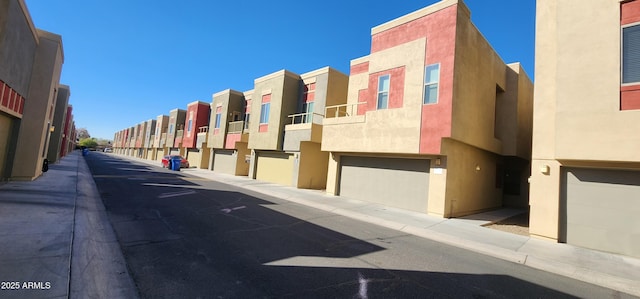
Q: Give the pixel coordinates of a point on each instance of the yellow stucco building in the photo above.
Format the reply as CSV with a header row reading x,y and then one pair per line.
x,y
585,181
435,121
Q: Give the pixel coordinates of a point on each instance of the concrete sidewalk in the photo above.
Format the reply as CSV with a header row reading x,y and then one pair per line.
x,y
56,240
608,270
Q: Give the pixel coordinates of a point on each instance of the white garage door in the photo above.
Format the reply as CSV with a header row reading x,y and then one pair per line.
x,y
401,183
600,209
224,162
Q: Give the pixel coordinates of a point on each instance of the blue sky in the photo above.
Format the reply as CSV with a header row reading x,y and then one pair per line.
x,y
130,61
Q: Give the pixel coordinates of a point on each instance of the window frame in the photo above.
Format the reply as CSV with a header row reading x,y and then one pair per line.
x,y
622,64
217,120
264,113
383,92
428,84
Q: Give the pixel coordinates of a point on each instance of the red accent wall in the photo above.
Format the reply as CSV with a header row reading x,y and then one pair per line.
x,y
11,99
439,28
200,118
630,97
230,142
630,12
359,68
396,90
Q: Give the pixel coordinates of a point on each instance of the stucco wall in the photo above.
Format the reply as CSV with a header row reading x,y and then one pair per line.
x,y
284,88
162,123
474,172
18,42
577,115
33,136
312,169
229,101
478,71
585,104
176,118
376,133
59,116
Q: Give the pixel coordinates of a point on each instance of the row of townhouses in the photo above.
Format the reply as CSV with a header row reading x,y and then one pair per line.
x,y
36,120
433,120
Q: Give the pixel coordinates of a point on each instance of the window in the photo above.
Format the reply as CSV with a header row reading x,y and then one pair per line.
x,y
431,80
307,102
218,117
631,54
189,126
383,92
171,129
246,121
308,109
264,113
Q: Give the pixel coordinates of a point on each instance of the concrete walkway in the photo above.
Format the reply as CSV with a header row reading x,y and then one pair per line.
x,y
56,240
608,270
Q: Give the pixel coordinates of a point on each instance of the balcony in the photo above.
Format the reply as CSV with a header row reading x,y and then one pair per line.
x,y
345,113
201,138
303,127
237,127
237,131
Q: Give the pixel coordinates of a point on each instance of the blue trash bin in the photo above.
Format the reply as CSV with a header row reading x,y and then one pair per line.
x,y
175,163
85,151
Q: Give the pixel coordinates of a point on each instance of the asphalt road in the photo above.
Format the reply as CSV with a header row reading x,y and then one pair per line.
x,y
186,237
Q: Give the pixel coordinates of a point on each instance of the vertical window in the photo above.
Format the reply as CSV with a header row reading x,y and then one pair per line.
x,y
308,110
631,54
171,129
218,117
307,102
189,126
431,80
246,120
264,113
383,92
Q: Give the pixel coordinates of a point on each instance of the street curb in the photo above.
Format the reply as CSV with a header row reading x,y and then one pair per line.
x,y
98,267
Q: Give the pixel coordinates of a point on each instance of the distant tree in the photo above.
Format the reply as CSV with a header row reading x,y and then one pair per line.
x,y
103,142
88,142
83,133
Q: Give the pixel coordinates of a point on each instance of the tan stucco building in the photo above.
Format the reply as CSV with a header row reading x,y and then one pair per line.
x,y
55,150
285,126
585,180
229,132
435,121
30,66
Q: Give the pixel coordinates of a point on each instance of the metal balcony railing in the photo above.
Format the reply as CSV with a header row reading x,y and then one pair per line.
x,y
203,129
344,110
305,118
